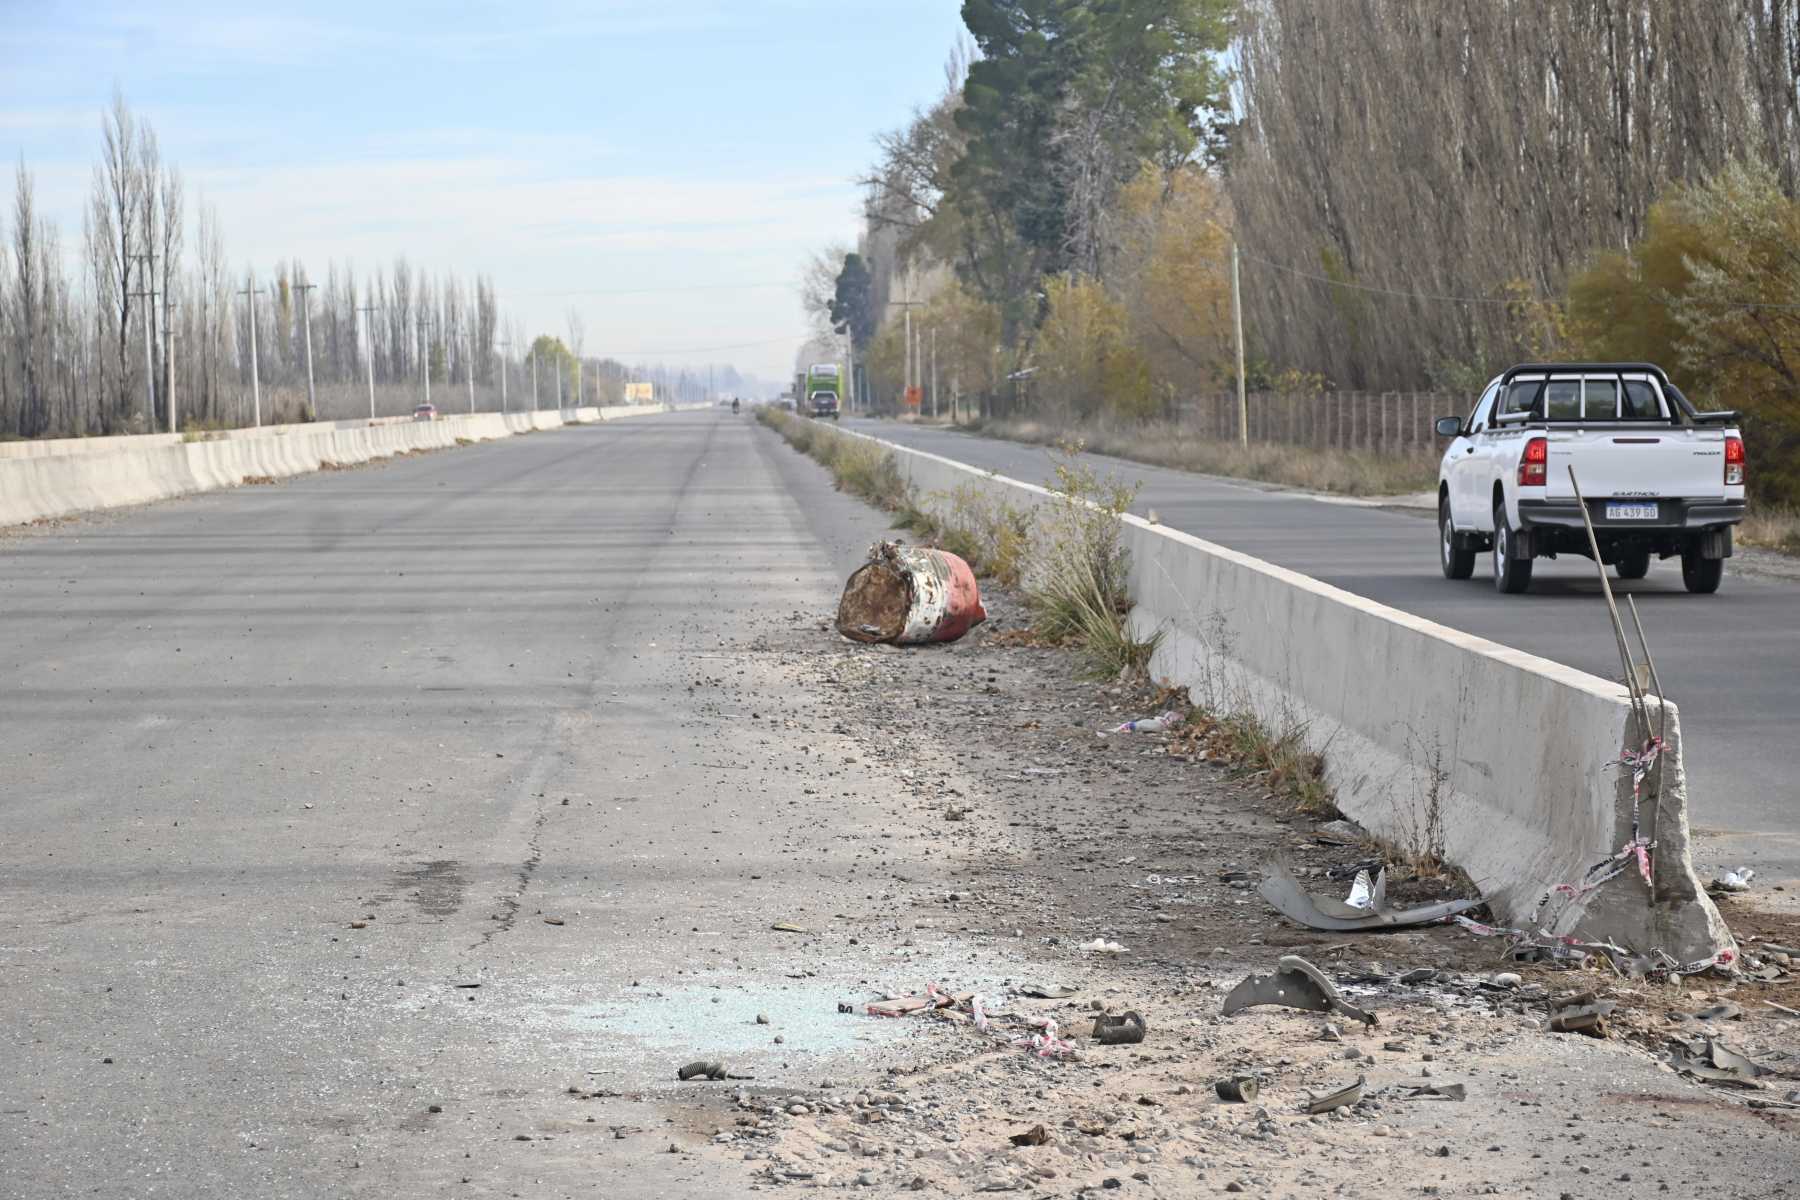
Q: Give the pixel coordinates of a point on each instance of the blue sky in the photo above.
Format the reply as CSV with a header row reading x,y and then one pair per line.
x,y
562,148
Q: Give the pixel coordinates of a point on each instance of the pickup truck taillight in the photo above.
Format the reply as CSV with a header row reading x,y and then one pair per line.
x,y
1734,462
1534,463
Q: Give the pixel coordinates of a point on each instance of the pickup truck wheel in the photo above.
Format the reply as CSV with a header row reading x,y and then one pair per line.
x,y
1635,565
1701,575
1458,562
1511,575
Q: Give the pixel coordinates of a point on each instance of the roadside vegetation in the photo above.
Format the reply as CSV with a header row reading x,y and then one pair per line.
x,y
1066,556
1068,561
1058,230
1772,527
1162,444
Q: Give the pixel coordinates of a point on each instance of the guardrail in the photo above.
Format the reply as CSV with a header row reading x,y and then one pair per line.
x,y
40,480
1508,762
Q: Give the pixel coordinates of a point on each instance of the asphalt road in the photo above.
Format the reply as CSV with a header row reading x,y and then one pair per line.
x,y
1731,661
445,698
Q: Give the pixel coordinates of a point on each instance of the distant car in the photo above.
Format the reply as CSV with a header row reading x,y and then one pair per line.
x,y
425,412
1660,479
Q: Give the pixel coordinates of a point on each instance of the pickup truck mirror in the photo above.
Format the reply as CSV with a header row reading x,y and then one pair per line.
x,y
1449,426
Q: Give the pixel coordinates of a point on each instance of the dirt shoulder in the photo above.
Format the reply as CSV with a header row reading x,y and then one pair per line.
x,y
1045,835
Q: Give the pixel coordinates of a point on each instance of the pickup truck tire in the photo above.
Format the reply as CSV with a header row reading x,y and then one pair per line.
x,y
1635,565
1458,561
1511,575
1701,575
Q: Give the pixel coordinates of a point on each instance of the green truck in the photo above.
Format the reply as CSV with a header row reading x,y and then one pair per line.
x,y
821,390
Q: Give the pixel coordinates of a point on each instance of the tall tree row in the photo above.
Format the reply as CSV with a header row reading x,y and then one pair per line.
x,y
1412,182
156,313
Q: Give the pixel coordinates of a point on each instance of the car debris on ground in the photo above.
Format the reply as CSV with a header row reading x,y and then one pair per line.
x,y
1732,881
1344,1097
1161,723
1296,983
1330,915
1710,1060
1238,1089
910,595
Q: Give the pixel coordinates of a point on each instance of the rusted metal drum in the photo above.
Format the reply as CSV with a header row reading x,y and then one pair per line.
x,y
908,595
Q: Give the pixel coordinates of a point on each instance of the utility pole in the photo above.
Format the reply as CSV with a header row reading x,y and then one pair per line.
x,y
149,294
169,361
850,384
255,382
505,345
934,400
1237,320
469,357
578,366
906,372
534,399
368,312
559,378
425,354
149,368
312,397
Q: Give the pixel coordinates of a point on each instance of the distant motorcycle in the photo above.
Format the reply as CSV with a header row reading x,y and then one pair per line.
x,y
734,404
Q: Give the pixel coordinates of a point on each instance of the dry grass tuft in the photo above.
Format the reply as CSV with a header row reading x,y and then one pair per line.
x,y
1771,528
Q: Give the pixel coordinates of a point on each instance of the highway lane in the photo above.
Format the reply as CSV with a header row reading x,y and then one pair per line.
x,y
445,699
1730,660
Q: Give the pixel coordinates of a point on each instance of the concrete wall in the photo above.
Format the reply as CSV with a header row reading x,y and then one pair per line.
x,y
1431,736
72,475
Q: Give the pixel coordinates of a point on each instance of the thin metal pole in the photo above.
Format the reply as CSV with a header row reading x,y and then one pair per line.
x,y
534,395
169,362
907,372
149,368
369,352
469,369
255,381
1237,321
425,355
1638,707
504,347
312,396
934,399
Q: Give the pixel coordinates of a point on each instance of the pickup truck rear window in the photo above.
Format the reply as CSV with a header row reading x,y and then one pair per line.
x,y
1521,396
1583,400
1639,403
1562,400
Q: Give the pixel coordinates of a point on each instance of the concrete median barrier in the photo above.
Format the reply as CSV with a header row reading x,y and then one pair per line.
x,y
61,477
1435,740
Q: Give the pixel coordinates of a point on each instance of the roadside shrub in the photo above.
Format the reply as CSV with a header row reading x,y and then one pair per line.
x,y
1075,583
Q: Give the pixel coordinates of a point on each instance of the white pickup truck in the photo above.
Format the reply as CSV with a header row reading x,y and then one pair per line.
x,y
1659,478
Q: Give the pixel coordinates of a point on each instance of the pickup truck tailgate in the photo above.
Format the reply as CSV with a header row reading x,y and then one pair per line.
x,y
1659,461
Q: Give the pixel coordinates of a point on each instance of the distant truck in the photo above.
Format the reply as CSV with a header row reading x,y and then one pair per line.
x,y
821,390
1660,479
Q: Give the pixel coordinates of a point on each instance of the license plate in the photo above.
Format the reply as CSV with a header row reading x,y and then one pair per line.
x,y
1631,512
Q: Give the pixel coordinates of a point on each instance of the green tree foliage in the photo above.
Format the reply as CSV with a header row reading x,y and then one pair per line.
x,y
551,355
852,307
1067,100
1712,293
1088,363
